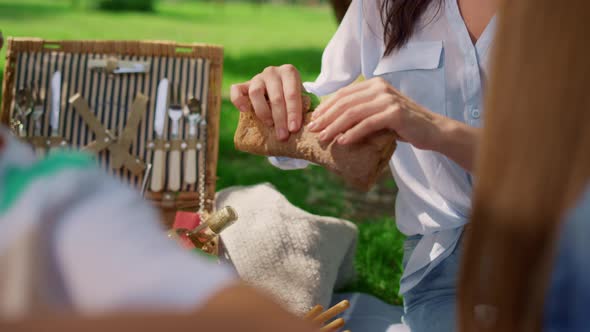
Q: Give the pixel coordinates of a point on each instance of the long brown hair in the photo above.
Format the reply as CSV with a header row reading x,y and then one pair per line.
x,y
533,162
400,18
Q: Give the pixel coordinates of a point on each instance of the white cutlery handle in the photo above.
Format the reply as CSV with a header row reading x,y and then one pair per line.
x,y
174,129
40,152
157,183
190,166
174,171
54,149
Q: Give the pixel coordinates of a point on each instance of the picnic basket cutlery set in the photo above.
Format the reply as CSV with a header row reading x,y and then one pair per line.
x,y
149,111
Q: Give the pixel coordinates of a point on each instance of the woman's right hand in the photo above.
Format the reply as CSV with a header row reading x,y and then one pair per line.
x,y
275,96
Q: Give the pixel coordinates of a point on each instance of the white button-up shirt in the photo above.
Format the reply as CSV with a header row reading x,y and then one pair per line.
x,y
439,68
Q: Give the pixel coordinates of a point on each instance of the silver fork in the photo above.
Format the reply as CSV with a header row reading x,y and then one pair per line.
x,y
175,114
24,107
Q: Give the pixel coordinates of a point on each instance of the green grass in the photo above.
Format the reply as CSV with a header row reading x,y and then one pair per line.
x,y
254,36
378,259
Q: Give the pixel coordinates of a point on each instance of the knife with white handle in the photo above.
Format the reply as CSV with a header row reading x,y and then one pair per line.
x,y
194,117
55,104
157,183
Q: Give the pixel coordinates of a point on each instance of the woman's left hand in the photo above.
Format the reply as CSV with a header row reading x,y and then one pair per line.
x,y
359,110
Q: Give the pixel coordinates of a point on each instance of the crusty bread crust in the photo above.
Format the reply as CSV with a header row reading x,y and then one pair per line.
x,y
359,164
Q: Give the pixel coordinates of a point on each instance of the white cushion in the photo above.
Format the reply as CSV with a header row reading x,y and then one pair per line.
x,y
297,257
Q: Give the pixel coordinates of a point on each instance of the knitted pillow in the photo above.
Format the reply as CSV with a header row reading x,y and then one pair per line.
x,y
297,257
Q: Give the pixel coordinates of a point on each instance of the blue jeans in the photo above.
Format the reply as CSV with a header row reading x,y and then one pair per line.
x,y
430,306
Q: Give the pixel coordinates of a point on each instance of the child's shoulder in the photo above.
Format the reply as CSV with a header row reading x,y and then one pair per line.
x,y
35,192
18,179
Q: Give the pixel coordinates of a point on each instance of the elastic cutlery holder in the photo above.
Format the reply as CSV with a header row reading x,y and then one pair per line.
x,y
149,111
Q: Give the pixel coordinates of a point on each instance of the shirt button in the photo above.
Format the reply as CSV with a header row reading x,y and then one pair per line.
x,y
475,113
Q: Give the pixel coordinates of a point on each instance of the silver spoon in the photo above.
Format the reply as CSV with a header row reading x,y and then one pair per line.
x,y
193,114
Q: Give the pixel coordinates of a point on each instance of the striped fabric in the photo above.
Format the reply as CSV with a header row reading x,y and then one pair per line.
x,y
110,99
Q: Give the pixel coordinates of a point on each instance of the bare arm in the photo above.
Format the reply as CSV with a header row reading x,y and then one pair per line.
x,y
359,110
458,142
237,308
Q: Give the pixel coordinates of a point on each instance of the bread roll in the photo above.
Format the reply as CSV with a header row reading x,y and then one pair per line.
x,y
358,164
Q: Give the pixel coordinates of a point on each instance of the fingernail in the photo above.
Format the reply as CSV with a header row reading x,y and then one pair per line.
x,y
342,140
312,125
282,133
314,115
292,126
323,135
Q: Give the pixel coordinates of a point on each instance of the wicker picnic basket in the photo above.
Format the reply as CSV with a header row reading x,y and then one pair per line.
x,y
107,106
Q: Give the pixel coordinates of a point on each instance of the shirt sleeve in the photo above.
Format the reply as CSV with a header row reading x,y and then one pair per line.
x,y
113,255
355,47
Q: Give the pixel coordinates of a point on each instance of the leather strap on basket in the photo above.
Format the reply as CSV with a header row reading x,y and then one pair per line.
x,y
175,145
138,109
118,147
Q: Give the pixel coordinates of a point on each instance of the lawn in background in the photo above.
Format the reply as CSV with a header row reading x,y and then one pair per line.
x,y
254,36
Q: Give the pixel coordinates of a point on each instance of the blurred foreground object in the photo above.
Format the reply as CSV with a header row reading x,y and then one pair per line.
x,y
194,232
238,308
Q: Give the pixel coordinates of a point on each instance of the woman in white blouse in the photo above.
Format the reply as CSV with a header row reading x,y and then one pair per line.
x,y
435,52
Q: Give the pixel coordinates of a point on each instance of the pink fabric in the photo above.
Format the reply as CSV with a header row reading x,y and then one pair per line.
x,y
188,220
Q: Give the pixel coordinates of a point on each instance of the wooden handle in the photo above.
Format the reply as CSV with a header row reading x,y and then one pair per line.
x,y
314,312
333,326
190,167
332,312
158,171
174,171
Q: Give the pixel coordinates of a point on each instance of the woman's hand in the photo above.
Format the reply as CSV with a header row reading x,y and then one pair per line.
x,y
359,110
275,97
